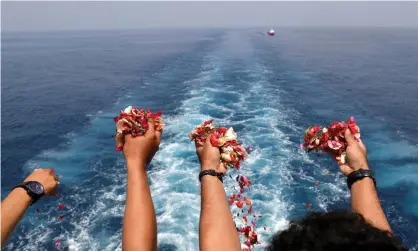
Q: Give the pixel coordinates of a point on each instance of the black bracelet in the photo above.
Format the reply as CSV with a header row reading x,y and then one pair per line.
x,y
211,172
358,175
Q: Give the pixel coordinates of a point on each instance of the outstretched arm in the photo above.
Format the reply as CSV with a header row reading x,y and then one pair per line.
x,y
139,222
217,230
13,207
364,198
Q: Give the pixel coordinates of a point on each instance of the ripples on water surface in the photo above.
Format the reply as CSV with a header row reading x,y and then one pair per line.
x,y
61,90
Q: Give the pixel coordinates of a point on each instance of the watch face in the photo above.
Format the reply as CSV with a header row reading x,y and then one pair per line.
x,y
35,187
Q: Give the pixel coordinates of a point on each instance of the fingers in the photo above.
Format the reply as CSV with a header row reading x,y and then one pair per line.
x,y
362,146
349,138
119,141
158,134
151,128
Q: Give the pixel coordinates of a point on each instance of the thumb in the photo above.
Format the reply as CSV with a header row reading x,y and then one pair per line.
x,y
349,137
119,141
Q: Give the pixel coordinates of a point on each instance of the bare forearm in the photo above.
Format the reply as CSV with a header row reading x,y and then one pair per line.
x,y
217,229
364,200
13,208
139,223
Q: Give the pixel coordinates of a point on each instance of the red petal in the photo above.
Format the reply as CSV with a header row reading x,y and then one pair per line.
x,y
239,204
222,130
61,206
214,140
248,243
247,201
60,217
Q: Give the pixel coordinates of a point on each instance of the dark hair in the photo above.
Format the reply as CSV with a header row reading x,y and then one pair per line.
x,y
340,231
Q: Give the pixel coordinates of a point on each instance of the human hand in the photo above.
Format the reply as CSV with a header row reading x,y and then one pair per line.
x,y
209,157
47,178
140,150
356,155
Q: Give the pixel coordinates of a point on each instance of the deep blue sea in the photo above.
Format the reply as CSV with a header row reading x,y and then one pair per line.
x,y
60,90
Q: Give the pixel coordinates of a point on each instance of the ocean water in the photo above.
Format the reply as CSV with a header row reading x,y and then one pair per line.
x,y
60,91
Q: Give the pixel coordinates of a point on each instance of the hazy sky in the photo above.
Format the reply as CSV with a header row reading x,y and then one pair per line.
x,y
127,15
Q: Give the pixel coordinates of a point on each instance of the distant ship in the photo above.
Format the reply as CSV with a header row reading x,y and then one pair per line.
x,y
270,32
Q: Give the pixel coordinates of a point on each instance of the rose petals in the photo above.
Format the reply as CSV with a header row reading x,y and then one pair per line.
x,y
134,121
239,204
250,209
61,206
307,205
60,217
232,153
248,243
247,201
57,244
331,139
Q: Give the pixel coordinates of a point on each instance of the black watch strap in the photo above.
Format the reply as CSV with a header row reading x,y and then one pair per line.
x,y
211,172
35,197
358,175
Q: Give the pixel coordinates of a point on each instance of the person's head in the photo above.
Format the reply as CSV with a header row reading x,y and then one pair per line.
x,y
340,231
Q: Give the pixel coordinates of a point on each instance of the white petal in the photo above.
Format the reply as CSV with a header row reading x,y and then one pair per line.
x,y
230,134
128,109
226,156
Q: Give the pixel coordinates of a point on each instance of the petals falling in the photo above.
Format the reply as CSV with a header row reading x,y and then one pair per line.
x,y
232,153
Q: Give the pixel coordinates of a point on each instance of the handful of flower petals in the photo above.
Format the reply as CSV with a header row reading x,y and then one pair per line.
x,y
232,152
331,139
134,121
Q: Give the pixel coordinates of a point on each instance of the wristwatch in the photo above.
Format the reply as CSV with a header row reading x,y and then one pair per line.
x,y
34,189
358,175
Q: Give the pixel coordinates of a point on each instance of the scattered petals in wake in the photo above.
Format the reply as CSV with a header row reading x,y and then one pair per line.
x,y
307,205
239,204
61,206
316,183
247,201
250,209
57,244
60,217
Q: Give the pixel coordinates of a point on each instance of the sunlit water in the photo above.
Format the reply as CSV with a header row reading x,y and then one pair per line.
x,y
60,92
